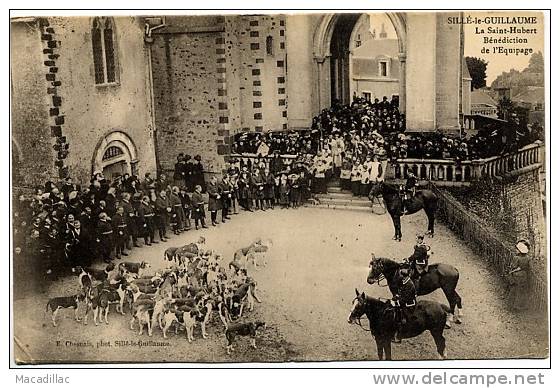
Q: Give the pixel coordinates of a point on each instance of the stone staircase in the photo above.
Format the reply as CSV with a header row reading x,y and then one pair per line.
x,y
338,199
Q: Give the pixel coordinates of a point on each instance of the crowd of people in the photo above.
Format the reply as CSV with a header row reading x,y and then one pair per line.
x,y
356,142
65,225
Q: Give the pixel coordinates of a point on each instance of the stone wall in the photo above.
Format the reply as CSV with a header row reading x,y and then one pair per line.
x,y
215,76
31,134
69,105
190,93
522,199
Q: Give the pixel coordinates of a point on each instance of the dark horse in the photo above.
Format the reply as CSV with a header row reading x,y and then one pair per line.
x,y
439,275
423,199
384,322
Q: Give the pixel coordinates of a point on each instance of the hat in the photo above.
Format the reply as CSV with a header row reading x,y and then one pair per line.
x,y
522,246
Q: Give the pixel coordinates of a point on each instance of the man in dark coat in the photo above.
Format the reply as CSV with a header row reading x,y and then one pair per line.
x,y
80,246
198,173
214,200
419,259
177,214
258,189
145,220
187,207
179,171
198,207
104,237
111,201
189,172
120,228
225,190
130,219
163,211
404,299
268,188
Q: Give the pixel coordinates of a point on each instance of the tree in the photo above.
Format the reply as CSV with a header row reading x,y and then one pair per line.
x,y
532,75
477,69
505,108
536,63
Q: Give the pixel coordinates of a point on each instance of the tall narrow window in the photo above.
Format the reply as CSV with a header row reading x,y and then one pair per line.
x,y
383,69
269,46
102,39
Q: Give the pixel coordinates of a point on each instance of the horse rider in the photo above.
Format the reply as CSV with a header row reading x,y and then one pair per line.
x,y
409,190
518,276
404,300
418,261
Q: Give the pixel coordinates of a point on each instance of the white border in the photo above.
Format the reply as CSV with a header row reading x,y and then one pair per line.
x,y
274,378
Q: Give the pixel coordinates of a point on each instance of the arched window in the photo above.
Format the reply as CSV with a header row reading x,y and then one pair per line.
x,y
112,152
102,39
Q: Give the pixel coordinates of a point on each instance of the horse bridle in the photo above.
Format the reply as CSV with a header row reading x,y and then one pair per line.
x,y
358,321
381,275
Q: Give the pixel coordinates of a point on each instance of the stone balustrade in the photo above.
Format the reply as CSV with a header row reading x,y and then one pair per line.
x,y
448,172
445,172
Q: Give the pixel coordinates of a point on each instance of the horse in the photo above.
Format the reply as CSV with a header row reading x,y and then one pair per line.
x,y
423,199
384,322
439,275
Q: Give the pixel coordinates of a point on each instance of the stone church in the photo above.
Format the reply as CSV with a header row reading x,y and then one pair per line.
x,y
127,94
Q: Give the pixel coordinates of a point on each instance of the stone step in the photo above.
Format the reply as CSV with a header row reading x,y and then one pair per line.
x,y
335,189
340,207
337,194
352,201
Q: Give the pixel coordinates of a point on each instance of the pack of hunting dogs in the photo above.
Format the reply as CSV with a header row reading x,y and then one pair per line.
x,y
198,283
195,286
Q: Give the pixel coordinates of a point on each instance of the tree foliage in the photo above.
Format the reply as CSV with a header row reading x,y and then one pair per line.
x,y
532,75
477,69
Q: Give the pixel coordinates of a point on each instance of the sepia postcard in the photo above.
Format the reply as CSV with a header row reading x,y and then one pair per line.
x,y
278,187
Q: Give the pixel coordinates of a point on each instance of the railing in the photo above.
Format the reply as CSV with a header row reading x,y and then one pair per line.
x,y
487,243
526,157
444,172
252,158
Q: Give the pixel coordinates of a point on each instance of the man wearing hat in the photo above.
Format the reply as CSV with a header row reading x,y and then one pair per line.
x,y
404,299
146,221
226,191
130,220
163,212
419,259
120,228
179,170
198,207
198,173
104,237
214,200
518,276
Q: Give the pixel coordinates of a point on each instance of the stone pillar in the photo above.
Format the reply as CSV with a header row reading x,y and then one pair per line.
x,y
402,83
421,71
323,83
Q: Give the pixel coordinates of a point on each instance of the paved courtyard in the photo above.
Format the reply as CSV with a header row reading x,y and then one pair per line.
x,y
319,257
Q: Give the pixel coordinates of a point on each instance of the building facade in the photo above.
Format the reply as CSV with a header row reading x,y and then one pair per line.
x,y
81,99
127,94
